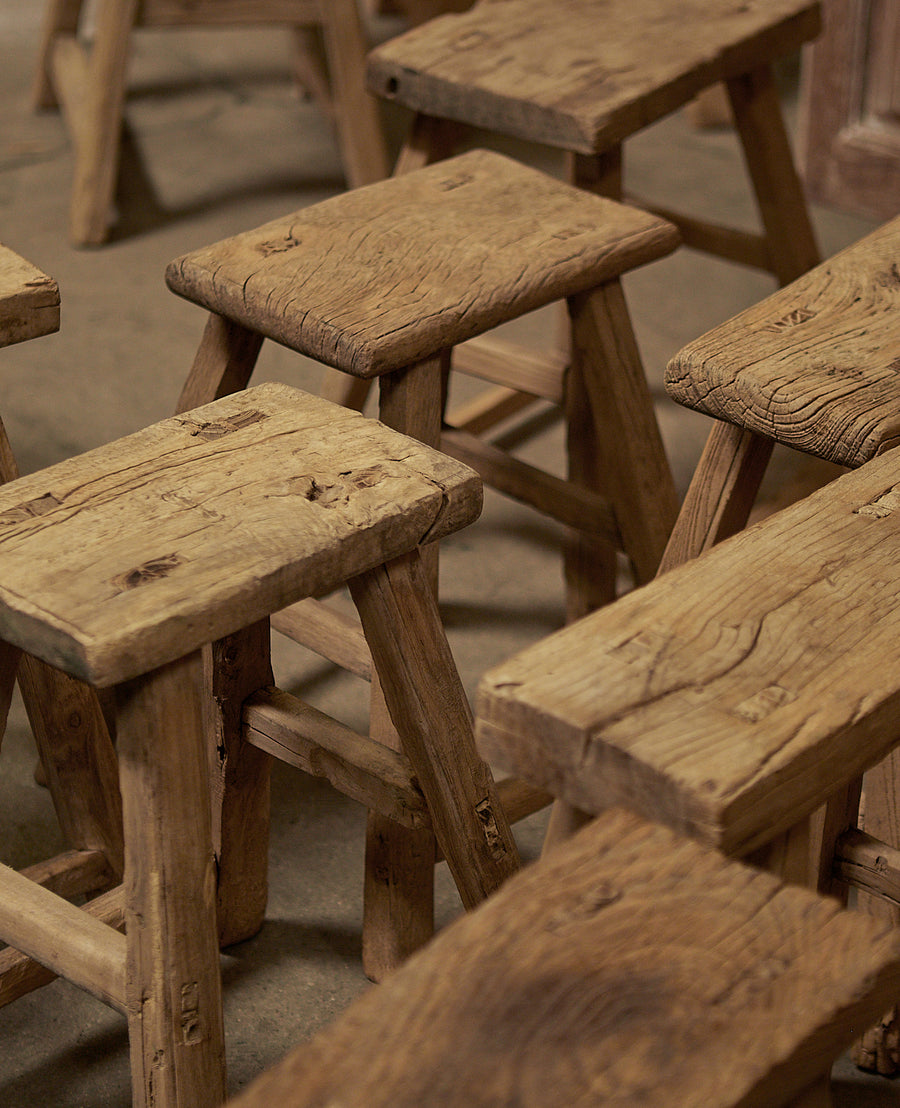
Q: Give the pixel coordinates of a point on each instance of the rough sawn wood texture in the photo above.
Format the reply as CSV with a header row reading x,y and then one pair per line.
x,y
610,68
379,278
313,503
629,967
815,366
732,695
29,300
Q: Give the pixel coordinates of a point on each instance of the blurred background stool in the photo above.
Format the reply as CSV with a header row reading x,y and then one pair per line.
x,y
90,83
630,967
584,75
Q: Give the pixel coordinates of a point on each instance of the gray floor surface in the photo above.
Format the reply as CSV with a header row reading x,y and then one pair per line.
x,y
220,142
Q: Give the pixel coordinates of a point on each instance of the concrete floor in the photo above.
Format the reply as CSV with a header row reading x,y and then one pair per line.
x,y
225,143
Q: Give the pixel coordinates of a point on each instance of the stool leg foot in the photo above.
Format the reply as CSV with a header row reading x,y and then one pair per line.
x,y
173,987
398,896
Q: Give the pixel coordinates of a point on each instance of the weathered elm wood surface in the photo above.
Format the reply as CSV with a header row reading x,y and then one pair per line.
x,y
815,366
610,67
326,281
429,708
173,986
135,517
631,967
29,300
732,695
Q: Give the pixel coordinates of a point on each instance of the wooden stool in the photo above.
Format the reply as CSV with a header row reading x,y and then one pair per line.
x,y
92,85
583,76
119,566
67,720
381,283
631,967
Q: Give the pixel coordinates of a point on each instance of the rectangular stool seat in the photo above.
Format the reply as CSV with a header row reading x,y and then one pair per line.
x,y
378,278
815,365
297,496
628,967
733,695
610,67
29,300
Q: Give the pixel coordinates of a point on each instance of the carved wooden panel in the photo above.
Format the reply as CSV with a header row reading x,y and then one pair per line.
x,y
850,111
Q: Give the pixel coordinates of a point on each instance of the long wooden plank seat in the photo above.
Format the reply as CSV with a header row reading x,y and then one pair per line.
x,y
629,967
735,694
812,367
122,568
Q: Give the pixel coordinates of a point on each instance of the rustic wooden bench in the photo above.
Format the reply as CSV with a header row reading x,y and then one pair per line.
x,y
584,76
632,967
120,567
734,695
812,368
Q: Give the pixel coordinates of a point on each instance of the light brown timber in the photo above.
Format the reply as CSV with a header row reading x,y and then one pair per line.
x,y
613,968
734,719
173,991
115,590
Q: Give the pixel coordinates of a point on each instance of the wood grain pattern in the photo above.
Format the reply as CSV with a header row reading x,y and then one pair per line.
x,y
29,300
65,939
173,988
734,694
430,711
361,768
815,366
249,504
598,72
630,967
326,280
